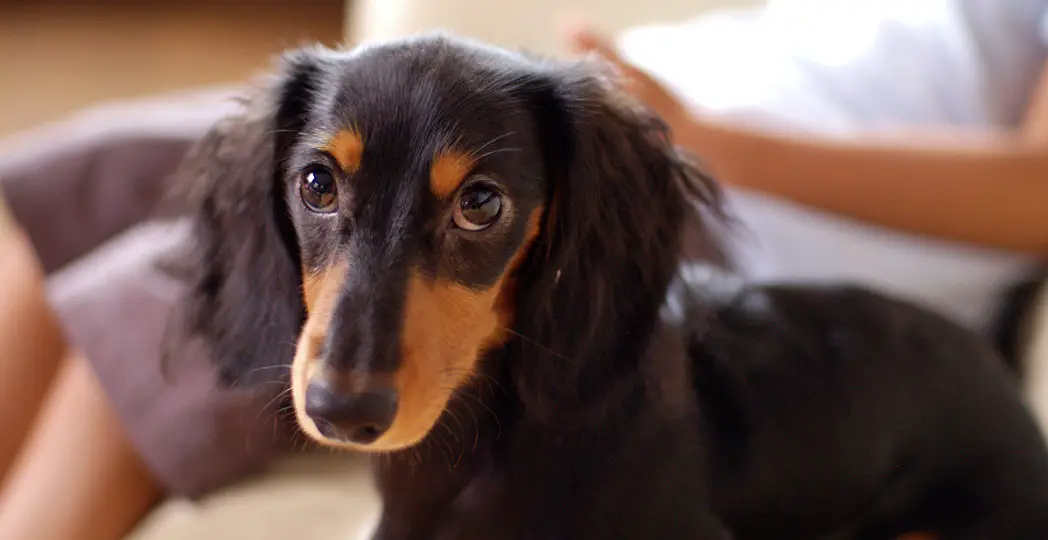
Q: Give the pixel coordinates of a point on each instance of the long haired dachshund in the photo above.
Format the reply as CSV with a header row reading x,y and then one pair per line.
x,y
474,259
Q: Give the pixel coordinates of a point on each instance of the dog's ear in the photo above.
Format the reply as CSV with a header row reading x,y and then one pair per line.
x,y
242,266
621,201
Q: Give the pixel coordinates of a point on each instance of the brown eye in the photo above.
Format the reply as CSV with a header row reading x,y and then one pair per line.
x,y
477,209
319,191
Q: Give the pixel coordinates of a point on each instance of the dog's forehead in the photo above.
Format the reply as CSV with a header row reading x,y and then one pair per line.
x,y
427,92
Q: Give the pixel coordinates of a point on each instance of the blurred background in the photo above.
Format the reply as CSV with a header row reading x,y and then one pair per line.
x,y
62,55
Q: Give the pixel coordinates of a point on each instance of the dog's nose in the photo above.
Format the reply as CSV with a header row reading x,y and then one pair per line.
x,y
359,418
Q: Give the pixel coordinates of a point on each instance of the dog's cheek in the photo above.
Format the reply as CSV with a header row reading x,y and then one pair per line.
x,y
474,322
303,367
447,328
422,373
320,289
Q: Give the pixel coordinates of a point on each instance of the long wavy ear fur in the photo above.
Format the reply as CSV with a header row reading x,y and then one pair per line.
x,y
243,272
621,198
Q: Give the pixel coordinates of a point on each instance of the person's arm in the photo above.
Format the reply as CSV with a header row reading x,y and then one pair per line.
x,y
1035,122
987,190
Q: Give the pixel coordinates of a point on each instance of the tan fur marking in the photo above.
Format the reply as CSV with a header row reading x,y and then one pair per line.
x,y
347,147
447,327
448,171
320,291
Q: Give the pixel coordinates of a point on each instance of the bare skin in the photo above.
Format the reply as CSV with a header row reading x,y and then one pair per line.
x,y
69,472
32,344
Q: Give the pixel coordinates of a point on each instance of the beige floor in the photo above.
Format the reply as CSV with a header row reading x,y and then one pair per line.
x,y
60,55
315,497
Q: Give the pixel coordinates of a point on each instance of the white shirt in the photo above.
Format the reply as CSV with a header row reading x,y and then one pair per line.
x,y
838,66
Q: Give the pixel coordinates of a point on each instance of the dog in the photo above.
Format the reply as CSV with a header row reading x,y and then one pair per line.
x,y
472,258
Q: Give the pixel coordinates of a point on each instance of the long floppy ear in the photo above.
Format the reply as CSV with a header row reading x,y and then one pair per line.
x,y
243,272
622,200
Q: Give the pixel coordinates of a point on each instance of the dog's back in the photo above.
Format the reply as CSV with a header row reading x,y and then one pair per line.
x,y
840,405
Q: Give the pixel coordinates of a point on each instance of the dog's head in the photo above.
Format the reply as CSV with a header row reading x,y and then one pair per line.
x,y
384,217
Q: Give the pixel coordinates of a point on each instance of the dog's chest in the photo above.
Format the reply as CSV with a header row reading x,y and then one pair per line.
x,y
508,501
595,493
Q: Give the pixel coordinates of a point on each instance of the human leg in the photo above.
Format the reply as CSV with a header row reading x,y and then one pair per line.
x,y
79,476
31,342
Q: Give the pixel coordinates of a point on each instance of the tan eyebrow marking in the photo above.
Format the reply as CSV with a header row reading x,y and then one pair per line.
x,y
347,147
448,171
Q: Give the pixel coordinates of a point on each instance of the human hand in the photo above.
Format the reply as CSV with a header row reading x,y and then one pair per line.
x,y
581,37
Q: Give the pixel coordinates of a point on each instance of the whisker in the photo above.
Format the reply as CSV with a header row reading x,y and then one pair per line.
x,y
261,383
458,421
457,394
469,374
272,400
444,425
496,151
295,440
493,383
451,454
237,381
498,424
476,151
462,448
537,344
415,459
435,436
262,411
264,368
279,131
443,448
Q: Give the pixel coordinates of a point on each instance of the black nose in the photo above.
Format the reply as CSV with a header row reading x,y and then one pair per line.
x,y
359,418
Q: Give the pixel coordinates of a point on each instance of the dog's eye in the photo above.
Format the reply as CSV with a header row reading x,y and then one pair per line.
x,y
319,191
477,209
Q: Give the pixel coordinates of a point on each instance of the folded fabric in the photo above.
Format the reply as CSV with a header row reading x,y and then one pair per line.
x,y
87,190
75,183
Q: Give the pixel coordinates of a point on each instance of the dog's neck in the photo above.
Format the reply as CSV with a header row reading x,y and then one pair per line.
x,y
575,388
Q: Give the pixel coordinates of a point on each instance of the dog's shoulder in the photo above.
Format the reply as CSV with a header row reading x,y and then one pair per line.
x,y
834,333
718,306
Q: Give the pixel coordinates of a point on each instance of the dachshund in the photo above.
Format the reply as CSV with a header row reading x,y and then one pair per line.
x,y
477,263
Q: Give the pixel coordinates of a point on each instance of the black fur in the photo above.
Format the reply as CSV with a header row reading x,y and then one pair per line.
x,y
1010,330
230,181
728,412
